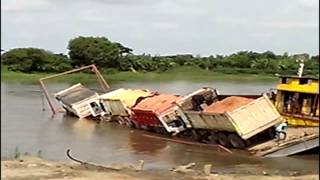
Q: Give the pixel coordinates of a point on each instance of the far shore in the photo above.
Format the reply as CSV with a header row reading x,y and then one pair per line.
x,y
186,74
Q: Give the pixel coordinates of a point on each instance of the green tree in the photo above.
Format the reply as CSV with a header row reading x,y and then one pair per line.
x,y
96,50
34,60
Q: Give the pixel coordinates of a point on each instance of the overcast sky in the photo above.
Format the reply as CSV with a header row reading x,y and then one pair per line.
x,y
165,26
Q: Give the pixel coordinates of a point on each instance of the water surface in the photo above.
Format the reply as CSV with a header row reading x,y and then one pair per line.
x,y
27,124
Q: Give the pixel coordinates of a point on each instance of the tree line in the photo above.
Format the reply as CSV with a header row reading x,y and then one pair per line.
x,y
107,54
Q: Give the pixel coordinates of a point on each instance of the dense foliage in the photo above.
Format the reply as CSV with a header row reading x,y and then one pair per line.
x,y
96,50
34,60
107,54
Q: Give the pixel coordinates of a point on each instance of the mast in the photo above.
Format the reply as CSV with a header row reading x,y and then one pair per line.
x,y
300,60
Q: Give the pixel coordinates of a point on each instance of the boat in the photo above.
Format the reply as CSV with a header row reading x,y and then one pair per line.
x,y
297,100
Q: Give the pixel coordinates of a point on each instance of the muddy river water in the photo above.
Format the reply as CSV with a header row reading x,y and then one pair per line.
x,y
28,125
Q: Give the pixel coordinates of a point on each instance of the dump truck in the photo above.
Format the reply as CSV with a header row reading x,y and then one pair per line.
x,y
146,113
76,100
117,104
233,125
159,112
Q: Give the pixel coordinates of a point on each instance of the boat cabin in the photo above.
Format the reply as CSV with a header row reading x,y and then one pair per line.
x,y
297,100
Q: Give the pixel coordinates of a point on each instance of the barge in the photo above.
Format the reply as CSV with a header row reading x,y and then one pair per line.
x,y
240,127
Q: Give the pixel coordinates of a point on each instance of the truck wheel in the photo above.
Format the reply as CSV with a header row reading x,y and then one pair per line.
x,y
271,133
185,134
163,131
127,121
205,137
195,135
135,125
156,130
236,141
120,120
248,142
213,138
223,139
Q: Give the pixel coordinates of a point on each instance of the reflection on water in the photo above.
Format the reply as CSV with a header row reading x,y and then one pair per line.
x,y
145,145
84,128
26,126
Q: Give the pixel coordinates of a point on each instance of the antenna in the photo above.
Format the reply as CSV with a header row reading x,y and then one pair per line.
x,y
300,60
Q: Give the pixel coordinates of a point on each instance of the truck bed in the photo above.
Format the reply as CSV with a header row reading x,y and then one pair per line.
x,y
247,120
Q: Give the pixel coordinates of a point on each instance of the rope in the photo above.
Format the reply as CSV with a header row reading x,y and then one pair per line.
x,y
74,159
42,102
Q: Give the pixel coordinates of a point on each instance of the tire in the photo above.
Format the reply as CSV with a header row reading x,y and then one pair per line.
x,y
248,142
135,125
195,135
162,131
213,138
222,139
271,133
236,141
156,130
205,137
185,134
129,122
121,120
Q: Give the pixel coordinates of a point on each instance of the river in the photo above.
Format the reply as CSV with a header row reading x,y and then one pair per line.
x,y
27,125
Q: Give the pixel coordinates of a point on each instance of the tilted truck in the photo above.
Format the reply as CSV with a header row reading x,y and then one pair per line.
x,y
148,112
76,100
238,127
117,104
159,112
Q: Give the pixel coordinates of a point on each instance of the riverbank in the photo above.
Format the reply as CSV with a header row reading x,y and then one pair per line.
x,y
184,73
28,167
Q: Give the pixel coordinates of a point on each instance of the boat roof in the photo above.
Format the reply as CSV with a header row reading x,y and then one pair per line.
x,y
297,77
75,94
158,103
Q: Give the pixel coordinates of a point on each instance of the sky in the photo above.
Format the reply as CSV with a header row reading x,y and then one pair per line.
x,y
165,27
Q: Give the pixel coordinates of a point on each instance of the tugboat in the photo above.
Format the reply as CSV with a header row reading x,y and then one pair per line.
x,y
297,99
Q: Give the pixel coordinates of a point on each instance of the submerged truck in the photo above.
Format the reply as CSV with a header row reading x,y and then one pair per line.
x,y
117,104
76,100
234,121
148,112
159,112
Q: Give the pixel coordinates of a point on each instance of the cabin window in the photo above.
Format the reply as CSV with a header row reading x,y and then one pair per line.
x,y
304,81
96,108
102,106
284,80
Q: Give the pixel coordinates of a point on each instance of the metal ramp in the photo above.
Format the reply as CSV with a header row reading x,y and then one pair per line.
x,y
296,148
298,140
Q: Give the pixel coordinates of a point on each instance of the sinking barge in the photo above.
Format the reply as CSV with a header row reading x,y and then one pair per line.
x,y
196,112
